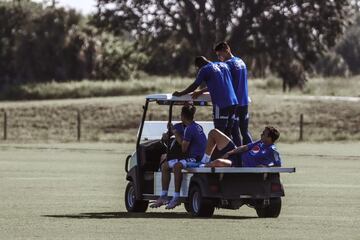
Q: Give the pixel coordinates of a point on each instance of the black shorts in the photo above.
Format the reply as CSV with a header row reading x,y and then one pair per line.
x,y
230,146
235,160
175,151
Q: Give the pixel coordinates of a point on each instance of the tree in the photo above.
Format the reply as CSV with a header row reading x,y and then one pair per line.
x,y
40,44
287,35
349,47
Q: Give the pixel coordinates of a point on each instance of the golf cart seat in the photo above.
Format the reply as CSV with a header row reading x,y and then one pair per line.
x,y
150,153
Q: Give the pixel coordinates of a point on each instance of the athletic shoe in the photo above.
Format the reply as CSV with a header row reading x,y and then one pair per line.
x,y
173,203
159,202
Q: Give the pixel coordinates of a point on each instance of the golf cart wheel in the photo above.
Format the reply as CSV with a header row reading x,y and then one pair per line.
x,y
198,205
270,211
133,205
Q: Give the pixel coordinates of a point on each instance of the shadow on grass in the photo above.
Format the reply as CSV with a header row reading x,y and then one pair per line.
x,y
109,215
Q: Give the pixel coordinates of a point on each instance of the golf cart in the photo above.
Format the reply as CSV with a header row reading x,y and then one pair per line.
x,y
202,189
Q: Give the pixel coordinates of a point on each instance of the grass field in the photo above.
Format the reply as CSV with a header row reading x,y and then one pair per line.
x,y
116,119
332,86
75,191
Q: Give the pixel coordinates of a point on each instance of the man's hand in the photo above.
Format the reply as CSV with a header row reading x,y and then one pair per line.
x,y
177,94
164,136
196,94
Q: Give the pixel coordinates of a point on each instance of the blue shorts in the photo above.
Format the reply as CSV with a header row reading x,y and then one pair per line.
x,y
223,118
186,163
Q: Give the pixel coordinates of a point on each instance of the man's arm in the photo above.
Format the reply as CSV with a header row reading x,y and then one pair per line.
x,y
189,89
196,94
178,136
243,148
240,149
199,79
185,146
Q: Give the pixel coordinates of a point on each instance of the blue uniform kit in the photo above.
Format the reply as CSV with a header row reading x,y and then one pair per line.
x,y
218,80
239,74
194,134
258,153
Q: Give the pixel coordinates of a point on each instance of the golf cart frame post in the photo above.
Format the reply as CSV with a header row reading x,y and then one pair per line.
x,y
139,191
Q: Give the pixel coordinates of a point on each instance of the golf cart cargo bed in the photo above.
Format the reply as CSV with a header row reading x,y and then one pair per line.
x,y
240,170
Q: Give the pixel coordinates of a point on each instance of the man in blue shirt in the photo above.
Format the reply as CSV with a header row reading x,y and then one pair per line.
x,y
262,153
239,74
193,143
217,78
175,151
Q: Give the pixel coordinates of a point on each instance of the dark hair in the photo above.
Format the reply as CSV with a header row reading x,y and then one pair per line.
x,y
188,111
273,133
222,46
201,61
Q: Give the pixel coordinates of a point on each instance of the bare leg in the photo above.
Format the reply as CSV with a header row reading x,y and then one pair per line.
x,y
218,139
165,176
178,176
219,163
162,158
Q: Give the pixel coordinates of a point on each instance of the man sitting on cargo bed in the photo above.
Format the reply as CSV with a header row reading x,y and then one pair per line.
x,y
262,153
193,143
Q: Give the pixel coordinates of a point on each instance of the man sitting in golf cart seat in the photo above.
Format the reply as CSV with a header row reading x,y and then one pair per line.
x,y
174,151
193,143
262,153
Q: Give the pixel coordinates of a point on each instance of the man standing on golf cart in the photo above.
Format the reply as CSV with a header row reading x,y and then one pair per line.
x,y
219,84
238,72
193,143
262,153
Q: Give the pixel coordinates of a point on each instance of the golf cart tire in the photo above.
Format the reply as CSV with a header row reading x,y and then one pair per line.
x,y
198,205
270,211
133,205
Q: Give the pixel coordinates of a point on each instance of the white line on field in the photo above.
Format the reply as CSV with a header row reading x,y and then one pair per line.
x,y
321,98
321,185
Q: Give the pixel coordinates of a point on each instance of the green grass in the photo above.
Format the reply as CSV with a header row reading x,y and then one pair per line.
x,y
150,84
116,119
76,191
318,86
87,88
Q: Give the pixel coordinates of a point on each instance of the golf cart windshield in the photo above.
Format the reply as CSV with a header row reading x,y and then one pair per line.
x,y
151,130
154,129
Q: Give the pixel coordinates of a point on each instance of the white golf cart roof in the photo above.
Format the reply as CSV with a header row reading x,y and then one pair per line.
x,y
166,98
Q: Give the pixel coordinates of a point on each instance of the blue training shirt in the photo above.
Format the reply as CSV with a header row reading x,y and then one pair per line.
x,y
180,127
260,154
238,72
217,77
194,134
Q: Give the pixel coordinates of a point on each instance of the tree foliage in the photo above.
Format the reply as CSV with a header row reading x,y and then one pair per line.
x,y
40,43
287,36
349,47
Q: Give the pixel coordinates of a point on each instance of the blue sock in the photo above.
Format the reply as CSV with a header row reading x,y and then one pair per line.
x,y
164,193
176,195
